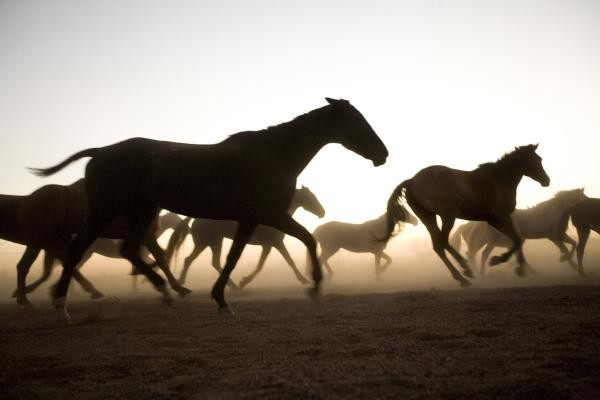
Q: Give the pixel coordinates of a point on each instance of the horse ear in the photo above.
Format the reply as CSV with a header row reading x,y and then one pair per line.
x,y
536,146
332,101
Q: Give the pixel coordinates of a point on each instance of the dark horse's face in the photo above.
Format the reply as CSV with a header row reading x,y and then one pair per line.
x,y
352,131
532,165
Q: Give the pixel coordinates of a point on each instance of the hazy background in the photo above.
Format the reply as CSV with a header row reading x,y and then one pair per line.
x,y
455,83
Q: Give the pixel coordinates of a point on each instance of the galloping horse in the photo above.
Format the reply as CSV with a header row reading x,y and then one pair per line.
x,y
211,232
538,222
249,177
487,193
45,220
585,216
360,238
110,248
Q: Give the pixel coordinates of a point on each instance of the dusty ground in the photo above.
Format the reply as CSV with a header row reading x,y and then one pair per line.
x,y
538,342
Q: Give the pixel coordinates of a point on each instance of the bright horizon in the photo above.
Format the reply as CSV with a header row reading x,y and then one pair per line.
x,y
456,84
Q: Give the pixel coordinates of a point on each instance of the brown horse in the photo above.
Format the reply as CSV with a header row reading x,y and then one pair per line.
x,y
211,232
249,177
46,220
110,248
585,216
538,222
487,193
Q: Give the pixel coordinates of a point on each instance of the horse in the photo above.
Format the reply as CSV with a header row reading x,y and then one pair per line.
x,y
360,238
109,248
45,220
585,216
487,193
210,233
538,222
250,177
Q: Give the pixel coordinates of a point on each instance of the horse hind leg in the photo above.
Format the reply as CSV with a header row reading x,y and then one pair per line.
x,y
429,220
286,256
216,248
159,255
189,260
584,233
447,224
506,226
86,284
23,267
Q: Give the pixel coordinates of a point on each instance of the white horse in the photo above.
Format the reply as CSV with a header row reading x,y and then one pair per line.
x,y
360,238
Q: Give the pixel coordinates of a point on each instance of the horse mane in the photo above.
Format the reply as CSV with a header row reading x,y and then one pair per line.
x,y
508,160
283,127
557,196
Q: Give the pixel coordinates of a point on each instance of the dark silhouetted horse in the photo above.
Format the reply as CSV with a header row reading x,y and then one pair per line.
x,y
211,232
249,177
487,193
360,238
538,222
585,216
46,219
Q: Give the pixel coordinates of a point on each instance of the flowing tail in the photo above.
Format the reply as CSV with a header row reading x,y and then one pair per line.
x,y
177,238
49,171
393,202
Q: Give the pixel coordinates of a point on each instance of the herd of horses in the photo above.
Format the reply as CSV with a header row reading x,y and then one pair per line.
x,y
244,188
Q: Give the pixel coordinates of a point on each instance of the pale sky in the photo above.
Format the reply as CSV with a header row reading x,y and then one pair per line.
x,y
456,83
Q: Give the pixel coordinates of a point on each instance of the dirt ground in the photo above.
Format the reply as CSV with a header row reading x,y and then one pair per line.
x,y
532,342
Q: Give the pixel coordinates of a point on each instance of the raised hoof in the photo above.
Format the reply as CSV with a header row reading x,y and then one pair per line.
x,y
233,286
468,273
496,260
226,312
183,291
96,295
564,257
243,283
304,281
520,271
465,283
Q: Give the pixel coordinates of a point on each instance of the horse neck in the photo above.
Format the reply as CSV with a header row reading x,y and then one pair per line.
x,y
508,176
293,208
298,141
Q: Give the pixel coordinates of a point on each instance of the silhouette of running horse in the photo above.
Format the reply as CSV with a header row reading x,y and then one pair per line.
x,y
211,232
249,177
585,216
487,193
360,238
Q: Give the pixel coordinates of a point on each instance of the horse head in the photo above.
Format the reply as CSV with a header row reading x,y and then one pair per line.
x,y
531,164
306,199
569,198
352,131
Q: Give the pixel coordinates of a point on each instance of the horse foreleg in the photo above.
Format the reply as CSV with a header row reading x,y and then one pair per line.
x,y
242,235
23,267
85,284
286,256
564,252
261,262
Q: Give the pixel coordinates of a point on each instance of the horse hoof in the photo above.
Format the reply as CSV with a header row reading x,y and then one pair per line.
x,y
24,302
313,293
167,301
468,273
465,283
226,312
520,271
233,286
183,291
60,306
96,295
496,260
